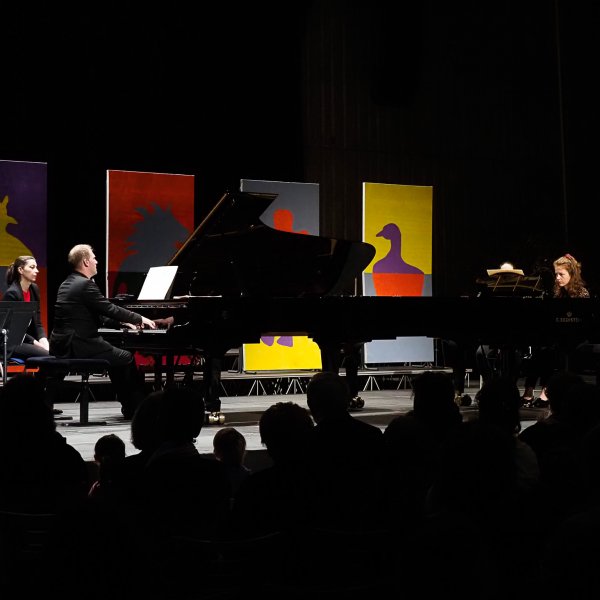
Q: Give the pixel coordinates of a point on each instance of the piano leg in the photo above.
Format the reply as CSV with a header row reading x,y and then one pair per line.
x,y
157,384
213,363
333,355
168,368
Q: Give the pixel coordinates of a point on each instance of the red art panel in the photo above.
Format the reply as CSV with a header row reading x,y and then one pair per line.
x,y
150,215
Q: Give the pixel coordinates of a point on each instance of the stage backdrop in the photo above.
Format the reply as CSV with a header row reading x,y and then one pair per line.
x,y
397,220
296,209
23,221
149,217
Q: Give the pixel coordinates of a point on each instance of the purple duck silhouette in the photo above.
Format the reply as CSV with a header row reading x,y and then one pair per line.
x,y
392,276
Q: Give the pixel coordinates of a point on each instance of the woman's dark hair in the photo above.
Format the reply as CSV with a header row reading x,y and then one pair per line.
x,y
12,272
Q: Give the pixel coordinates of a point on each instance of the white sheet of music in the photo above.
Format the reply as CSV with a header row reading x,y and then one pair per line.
x,y
158,282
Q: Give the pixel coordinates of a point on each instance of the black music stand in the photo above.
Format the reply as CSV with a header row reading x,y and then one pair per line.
x,y
508,284
3,318
15,318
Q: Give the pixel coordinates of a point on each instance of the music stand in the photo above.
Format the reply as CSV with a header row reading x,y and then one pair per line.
x,y
3,318
513,282
15,318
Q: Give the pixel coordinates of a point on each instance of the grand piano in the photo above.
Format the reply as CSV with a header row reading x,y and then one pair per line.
x,y
239,279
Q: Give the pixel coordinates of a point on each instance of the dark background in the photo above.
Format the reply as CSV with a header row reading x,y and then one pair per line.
x,y
493,104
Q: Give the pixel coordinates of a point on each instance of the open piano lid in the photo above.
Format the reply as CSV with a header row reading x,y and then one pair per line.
x,y
233,253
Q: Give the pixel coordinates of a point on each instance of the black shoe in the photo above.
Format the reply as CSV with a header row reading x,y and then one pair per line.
x,y
356,403
57,411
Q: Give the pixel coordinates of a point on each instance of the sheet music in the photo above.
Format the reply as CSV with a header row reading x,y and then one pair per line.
x,y
158,282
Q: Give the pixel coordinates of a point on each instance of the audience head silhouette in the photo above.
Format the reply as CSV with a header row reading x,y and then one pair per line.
x,y
499,400
433,401
109,447
173,414
144,434
285,429
229,446
109,455
32,420
181,414
328,396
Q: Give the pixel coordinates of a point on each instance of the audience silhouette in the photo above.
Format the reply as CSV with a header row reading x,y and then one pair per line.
x,y
411,463
499,401
183,491
161,519
43,490
109,456
39,472
570,551
470,515
345,454
229,447
167,490
278,497
434,405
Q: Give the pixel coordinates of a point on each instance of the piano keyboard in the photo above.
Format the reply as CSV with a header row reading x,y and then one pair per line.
x,y
150,341
127,331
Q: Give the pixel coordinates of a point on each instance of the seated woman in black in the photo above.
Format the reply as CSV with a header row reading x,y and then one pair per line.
x,y
20,278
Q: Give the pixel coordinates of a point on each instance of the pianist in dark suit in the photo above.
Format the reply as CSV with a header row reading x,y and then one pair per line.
x,y
79,310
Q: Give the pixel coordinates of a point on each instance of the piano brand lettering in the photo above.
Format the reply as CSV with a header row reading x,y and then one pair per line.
x,y
569,318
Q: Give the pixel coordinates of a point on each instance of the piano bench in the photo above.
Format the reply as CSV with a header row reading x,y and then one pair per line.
x,y
61,367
